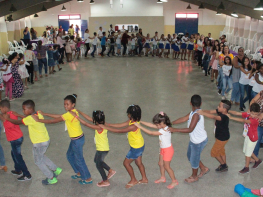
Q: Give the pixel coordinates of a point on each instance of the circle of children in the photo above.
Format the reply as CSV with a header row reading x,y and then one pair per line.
x,y
133,127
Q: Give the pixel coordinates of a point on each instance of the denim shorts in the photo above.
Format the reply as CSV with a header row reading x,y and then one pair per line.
x,y
194,153
118,46
35,67
134,153
154,46
132,47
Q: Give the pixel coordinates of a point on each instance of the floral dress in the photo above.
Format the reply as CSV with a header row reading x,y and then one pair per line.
x,y
17,87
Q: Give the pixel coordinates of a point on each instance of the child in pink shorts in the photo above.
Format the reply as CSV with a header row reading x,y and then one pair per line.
x,y
162,122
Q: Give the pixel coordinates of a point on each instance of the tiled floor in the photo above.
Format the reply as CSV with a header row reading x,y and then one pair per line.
x,y
112,84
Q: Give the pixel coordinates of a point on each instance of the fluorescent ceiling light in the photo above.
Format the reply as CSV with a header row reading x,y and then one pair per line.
x,y
259,6
159,1
234,14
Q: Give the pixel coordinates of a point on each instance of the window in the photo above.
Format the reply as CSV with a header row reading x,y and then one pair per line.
x,y
186,15
69,17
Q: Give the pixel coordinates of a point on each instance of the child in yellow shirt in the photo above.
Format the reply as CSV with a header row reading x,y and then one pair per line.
x,y
102,144
75,150
39,136
136,142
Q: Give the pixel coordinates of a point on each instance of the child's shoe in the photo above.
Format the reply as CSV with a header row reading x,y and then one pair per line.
x,y
17,173
57,172
84,182
257,163
244,170
48,181
75,176
25,178
3,168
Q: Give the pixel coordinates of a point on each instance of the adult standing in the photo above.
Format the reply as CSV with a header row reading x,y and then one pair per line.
x,y
100,33
71,31
77,29
17,86
41,56
87,41
140,31
29,56
60,29
259,99
26,36
139,42
200,46
33,34
110,30
124,42
61,49
236,73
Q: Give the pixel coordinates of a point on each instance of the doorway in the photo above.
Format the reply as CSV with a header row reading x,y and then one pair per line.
x,y
186,23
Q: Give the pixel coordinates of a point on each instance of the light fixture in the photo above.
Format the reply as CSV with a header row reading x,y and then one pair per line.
x,y
218,13
35,15
63,8
261,16
189,7
91,2
43,8
234,14
221,6
164,0
259,6
121,3
12,8
9,18
159,1
80,1
201,6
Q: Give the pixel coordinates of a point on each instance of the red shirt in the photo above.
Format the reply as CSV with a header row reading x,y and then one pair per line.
x,y
12,131
252,127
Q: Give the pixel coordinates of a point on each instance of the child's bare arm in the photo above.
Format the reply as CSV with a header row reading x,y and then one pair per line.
x,y
118,125
192,126
148,124
209,111
208,115
85,115
239,119
18,115
181,120
235,113
147,130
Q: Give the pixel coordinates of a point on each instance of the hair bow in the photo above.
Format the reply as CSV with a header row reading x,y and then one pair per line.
x,y
161,113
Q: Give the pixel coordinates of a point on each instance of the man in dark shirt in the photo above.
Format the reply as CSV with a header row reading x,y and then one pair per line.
x,y
124,42
222,134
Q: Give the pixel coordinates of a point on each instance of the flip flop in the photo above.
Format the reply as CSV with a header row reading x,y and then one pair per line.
x,y
191,179
142,182
172,186
129,185
108,184
112,175
202,174
159,181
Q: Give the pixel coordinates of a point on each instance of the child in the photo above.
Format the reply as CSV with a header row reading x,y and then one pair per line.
x,y
7,78
222,134
118,42
198,138
190,47
155,39
185,39
112,44
78,43
168,46
56,57
177,47
227,80
162,122
147,45
214,60
132,51
94,44
51,62
75,150
102,144
40,139
103,43
173,45
251,123
68,49
15,136
22,71
136,143
161,45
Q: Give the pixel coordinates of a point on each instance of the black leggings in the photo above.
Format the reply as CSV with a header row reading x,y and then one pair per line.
x,y
30,70
87,49
200,55
103,48
100,164
124,49
111,49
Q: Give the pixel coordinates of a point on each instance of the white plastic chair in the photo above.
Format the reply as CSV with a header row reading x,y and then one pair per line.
x,y
19,51
11,52
34,46
49,42
23,44
247,52
4,56
17,46
11,46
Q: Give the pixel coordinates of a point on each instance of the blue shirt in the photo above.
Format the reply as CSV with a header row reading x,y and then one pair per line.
x,y
103,40
27,36
50,54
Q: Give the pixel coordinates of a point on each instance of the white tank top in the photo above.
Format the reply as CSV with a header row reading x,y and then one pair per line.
x,y
244,78
8,69
252,81
258,87
199,134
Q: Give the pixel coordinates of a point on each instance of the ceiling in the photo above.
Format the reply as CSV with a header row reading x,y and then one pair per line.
x,y
242,7
26,7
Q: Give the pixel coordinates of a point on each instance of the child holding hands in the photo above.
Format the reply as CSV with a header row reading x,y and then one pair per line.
x,y
162,122
251,122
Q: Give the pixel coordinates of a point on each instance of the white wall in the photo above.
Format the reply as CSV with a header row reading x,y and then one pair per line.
x,y
50,17
206,17
101,8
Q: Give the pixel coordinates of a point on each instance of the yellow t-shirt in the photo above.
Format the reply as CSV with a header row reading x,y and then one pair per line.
x,y
135,137
37,130
222,56
71,31
73,124
101,140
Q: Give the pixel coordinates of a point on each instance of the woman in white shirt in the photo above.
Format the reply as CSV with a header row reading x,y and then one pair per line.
x,y
243,82
200,46
29,56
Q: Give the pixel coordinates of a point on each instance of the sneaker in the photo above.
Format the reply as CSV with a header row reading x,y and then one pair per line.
x,y
244,170
241,109
219,92
222,168
84,182
108,55
75,176
261,145
60,69
17,173
48,181
25,178
57,172
257,163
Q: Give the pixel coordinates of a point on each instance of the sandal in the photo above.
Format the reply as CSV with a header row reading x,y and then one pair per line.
x,y
111,175
172,186
191,179
129,185
84,182
203,173
161,180
105,184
